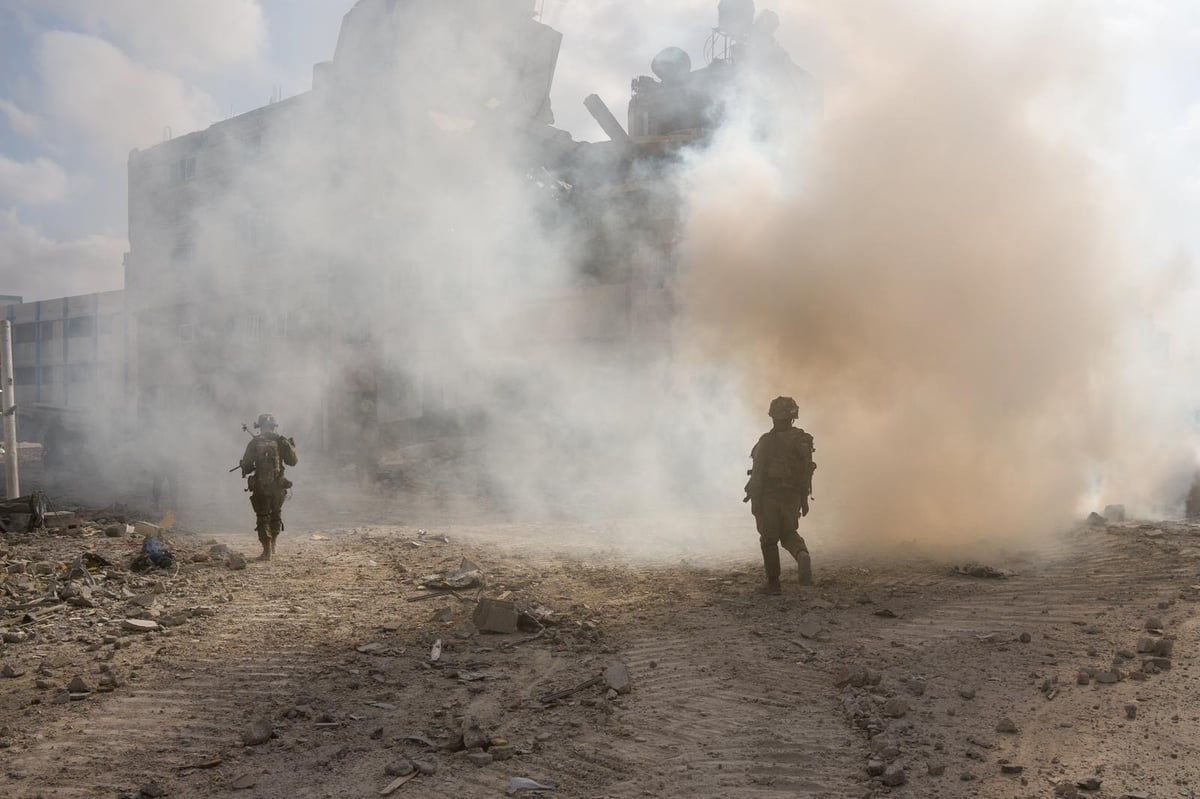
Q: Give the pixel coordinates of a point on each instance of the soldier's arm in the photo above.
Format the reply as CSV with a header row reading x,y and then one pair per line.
x,y
287,451
247,462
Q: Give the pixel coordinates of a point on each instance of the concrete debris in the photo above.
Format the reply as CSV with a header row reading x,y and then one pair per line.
x,y
1108,677
468,575
78,686
495,616
505,752
617,678
895,708
140,625
1096,520
518,784
11,671
1011,768
114,530
1083,677
1089,784
875,768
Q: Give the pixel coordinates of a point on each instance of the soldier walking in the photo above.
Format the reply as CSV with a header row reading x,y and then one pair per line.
x,y
779,488
263,462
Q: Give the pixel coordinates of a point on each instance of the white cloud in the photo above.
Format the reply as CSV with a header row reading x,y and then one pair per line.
x,y
22,122
36,267
117,103
36,182
198,36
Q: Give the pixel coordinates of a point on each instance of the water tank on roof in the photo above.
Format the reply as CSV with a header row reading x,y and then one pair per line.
x,y
735,17
672,65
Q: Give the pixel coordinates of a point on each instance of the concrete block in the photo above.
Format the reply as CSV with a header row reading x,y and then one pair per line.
x,y
495,616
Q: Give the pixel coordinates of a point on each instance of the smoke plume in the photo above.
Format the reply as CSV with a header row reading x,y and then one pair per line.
x,y
934,270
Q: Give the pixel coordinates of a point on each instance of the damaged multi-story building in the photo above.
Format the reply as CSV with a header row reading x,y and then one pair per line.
x,y
294,258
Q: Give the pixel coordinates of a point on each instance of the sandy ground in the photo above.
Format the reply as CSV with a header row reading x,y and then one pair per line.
x,y
887,671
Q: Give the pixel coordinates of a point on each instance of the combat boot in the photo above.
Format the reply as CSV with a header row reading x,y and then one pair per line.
x,y
772,587
266,545
273,543
804,568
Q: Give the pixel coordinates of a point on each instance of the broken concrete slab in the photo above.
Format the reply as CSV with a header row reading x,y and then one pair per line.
x,y
495,616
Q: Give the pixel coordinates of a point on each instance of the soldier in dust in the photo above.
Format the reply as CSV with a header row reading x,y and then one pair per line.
x,y
779,488
263,462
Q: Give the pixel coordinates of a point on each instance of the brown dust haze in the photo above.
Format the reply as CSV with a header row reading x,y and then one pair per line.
x,y
933,270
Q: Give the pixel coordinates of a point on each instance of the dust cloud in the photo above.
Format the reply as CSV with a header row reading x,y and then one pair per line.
x,y
934,266
936,270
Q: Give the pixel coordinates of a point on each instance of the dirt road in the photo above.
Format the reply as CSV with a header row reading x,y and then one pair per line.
x,y
909,673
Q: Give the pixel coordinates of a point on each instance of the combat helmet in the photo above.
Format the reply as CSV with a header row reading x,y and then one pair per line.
x,y
266,421
783,408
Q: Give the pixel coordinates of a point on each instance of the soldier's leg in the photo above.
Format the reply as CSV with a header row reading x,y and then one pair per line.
x,y
793,542
275,523
767,521
262,512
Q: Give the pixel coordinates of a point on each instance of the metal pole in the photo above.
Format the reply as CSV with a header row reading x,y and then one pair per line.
x,y
8,398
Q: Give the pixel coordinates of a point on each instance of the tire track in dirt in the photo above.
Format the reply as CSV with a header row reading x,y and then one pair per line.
x,y
239,662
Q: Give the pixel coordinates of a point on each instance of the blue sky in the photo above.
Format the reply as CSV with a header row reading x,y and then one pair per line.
x,y
83,82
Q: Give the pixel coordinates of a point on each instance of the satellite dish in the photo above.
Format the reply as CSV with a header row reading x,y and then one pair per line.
x,y
672,65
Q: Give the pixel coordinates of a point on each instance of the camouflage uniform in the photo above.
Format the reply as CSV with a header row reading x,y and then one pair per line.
x,y
268,491
778,491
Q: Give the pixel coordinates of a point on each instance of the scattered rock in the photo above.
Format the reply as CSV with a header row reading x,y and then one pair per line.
x,y
1066,789
236,561
895,708
114,530
78,686
15,637
1082,678
915,687
1114,513
1025,638
1011,768
426,767
504,752
894,775
1131,712
983,571
11,671
966,693
472,734
1096,520
875,768
152,790
258,733
1154,623
1006,725
1108,677
399,768
1089,784
935,769
617,678
480,759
